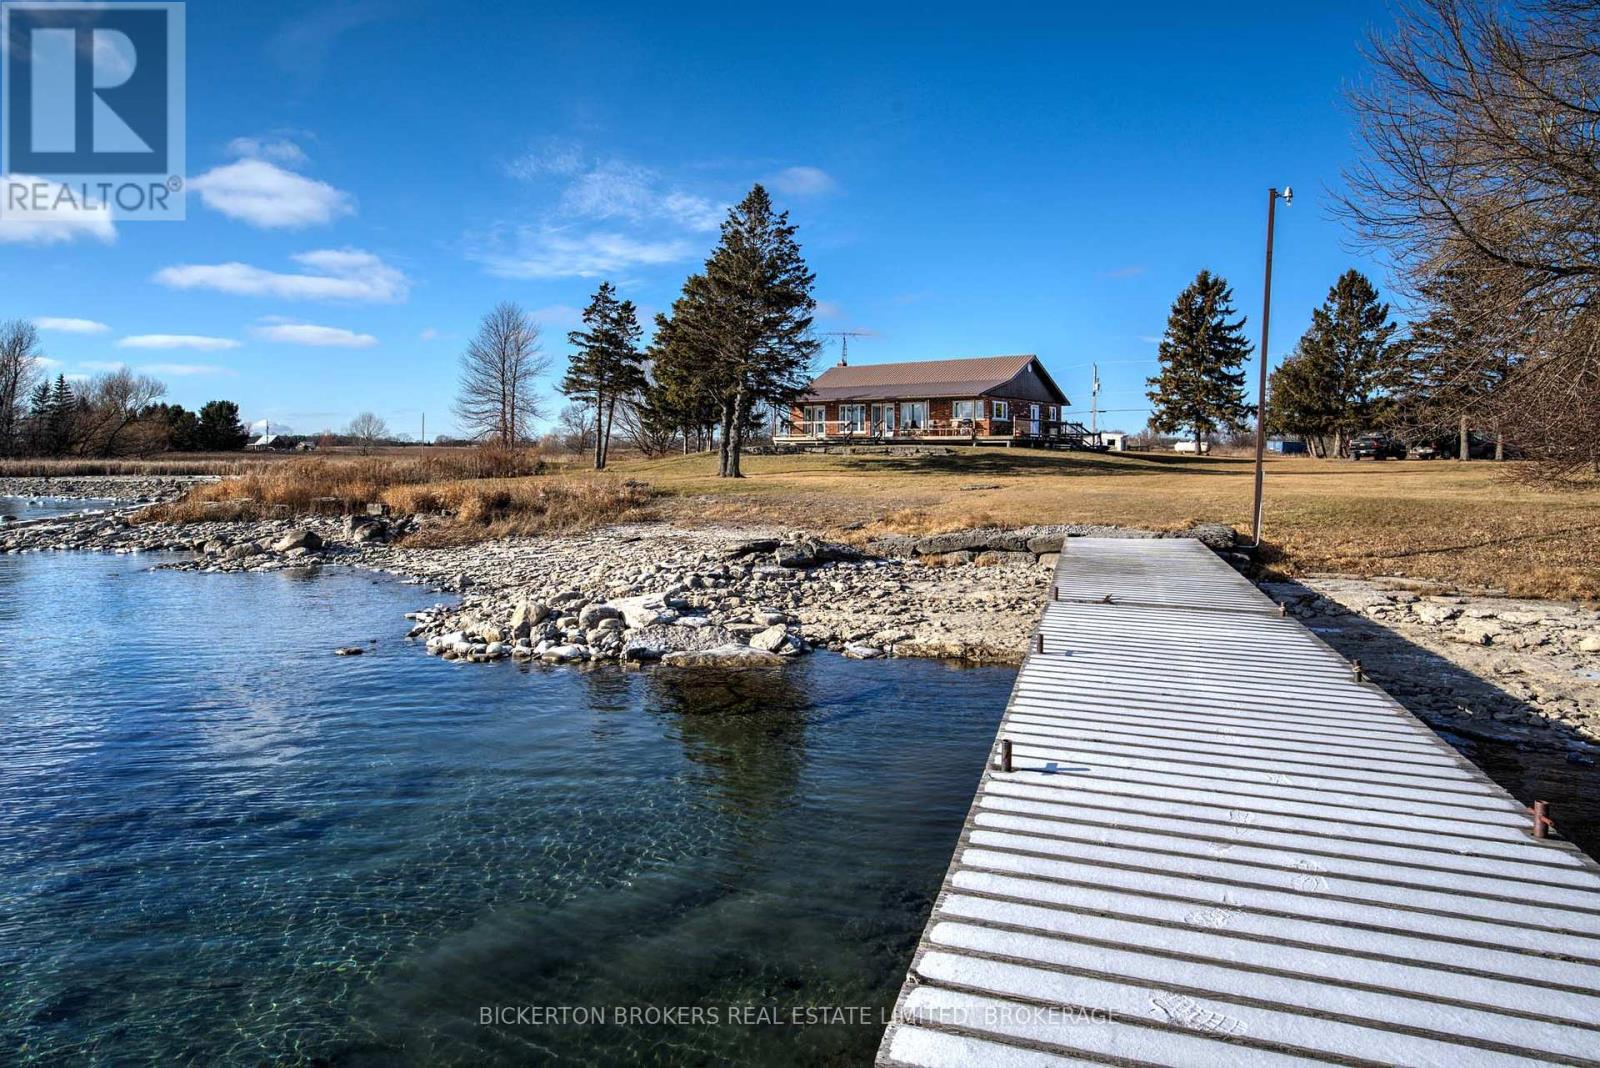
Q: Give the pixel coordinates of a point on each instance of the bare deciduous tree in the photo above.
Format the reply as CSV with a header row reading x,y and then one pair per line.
x,y
112,406
497,402
1482,169
19,366
368,431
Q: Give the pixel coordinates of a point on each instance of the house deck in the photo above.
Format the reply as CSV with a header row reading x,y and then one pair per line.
x,y
1217,846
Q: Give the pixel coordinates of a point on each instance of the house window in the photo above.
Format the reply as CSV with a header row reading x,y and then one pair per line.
x,y
913,415
1055,413
816,420
969,410
853,418
1002,410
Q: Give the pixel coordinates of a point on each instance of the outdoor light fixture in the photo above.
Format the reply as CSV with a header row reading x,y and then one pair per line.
x,y
1273,195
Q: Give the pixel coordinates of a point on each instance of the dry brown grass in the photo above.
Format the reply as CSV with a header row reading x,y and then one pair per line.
x,y
1437,520
198,464
484,494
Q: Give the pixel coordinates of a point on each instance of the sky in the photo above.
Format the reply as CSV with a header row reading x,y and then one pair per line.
x,y
367,179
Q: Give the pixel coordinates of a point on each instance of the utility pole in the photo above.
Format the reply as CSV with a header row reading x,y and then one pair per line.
x,y
1261,391
844,337
424,428
1094,403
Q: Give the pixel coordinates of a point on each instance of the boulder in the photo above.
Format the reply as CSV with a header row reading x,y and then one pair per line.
x,y
1046,543
950,559
656,641
809,552
1589,644
1477,632
731,655
973,541
243,551
643,611
592,614
1431,612
349,650
298,539
527,615
561,654
775,639
1218,536
753,547
859,651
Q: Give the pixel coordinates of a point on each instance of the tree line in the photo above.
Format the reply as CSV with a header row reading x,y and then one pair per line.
x,y
1353,371
117,413
735,346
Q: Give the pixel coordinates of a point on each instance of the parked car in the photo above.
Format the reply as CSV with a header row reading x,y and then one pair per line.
x,y
1377,447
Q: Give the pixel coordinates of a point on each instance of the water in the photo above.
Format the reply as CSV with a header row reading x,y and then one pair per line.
x,y
221,844
39,507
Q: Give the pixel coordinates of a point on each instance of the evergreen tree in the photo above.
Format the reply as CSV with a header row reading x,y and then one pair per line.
x,y
1451,375
1201,384
749,315
1347,369
219,428
606,364
683,391
53,411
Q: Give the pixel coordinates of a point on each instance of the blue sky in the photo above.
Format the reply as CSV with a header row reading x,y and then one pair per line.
x,y
368,178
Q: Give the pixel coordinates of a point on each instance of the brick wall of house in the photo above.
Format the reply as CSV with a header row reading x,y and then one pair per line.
x,y
940,412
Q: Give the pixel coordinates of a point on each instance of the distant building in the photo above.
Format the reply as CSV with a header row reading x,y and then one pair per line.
x,y
264,443
1285,447
1114,440
1188,446
990,398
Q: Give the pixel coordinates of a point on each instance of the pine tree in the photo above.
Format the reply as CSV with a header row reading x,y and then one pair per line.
x,y
749,314
1452,375
1201,384
606,364
683,391
219,428
1350,370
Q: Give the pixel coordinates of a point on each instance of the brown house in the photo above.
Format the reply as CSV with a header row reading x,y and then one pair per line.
x,y
983,398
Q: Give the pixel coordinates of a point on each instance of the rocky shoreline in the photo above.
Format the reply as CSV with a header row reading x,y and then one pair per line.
x,y
1520,671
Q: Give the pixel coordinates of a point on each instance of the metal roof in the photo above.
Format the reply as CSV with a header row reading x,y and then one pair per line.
x,y
1217,847
1021,377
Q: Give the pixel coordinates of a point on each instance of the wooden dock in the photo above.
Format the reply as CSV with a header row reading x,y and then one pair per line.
x,y
1218,846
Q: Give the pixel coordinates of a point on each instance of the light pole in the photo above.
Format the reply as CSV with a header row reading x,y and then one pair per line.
x,y
1261,392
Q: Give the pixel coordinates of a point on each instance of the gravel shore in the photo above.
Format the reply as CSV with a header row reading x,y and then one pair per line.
x,y
1527,672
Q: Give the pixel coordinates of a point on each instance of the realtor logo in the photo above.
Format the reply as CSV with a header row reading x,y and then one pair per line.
x,y
92,119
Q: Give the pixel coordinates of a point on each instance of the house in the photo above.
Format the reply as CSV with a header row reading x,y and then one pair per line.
x,y
1114,440
984,398
264,443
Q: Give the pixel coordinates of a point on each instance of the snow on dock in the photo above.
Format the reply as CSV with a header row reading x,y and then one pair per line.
x,y
1218,846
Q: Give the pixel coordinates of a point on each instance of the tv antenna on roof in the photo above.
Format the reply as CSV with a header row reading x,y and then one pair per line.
x,y
844,337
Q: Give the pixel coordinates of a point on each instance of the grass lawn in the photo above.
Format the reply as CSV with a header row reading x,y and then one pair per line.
x,y
1460,523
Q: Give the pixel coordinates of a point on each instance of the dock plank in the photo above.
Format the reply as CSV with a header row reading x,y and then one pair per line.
x,y
1218,846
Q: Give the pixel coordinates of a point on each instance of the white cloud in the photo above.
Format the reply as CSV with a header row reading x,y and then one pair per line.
x,y
828,309
50,214
183,370
429,334
803,181
549,253
177,341
70,326
102,365
46,362
555,156
263,194
279,149
310,334
331,274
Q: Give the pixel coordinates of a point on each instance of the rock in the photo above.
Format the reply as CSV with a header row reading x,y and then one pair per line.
x,y
809,552
950,559
367,532
298,539
863,652
592,614
973,540
1590,644
643,611
1432,612
775,639
1477,632
1050,560
731,655
692,621
243,551
999,557
655,642
526,617
893,545
561,654
1046,543
753,547
349,650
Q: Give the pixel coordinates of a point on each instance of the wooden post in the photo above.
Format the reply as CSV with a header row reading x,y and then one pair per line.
x,y
1038,642
1005,757
1541,819
1361,676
